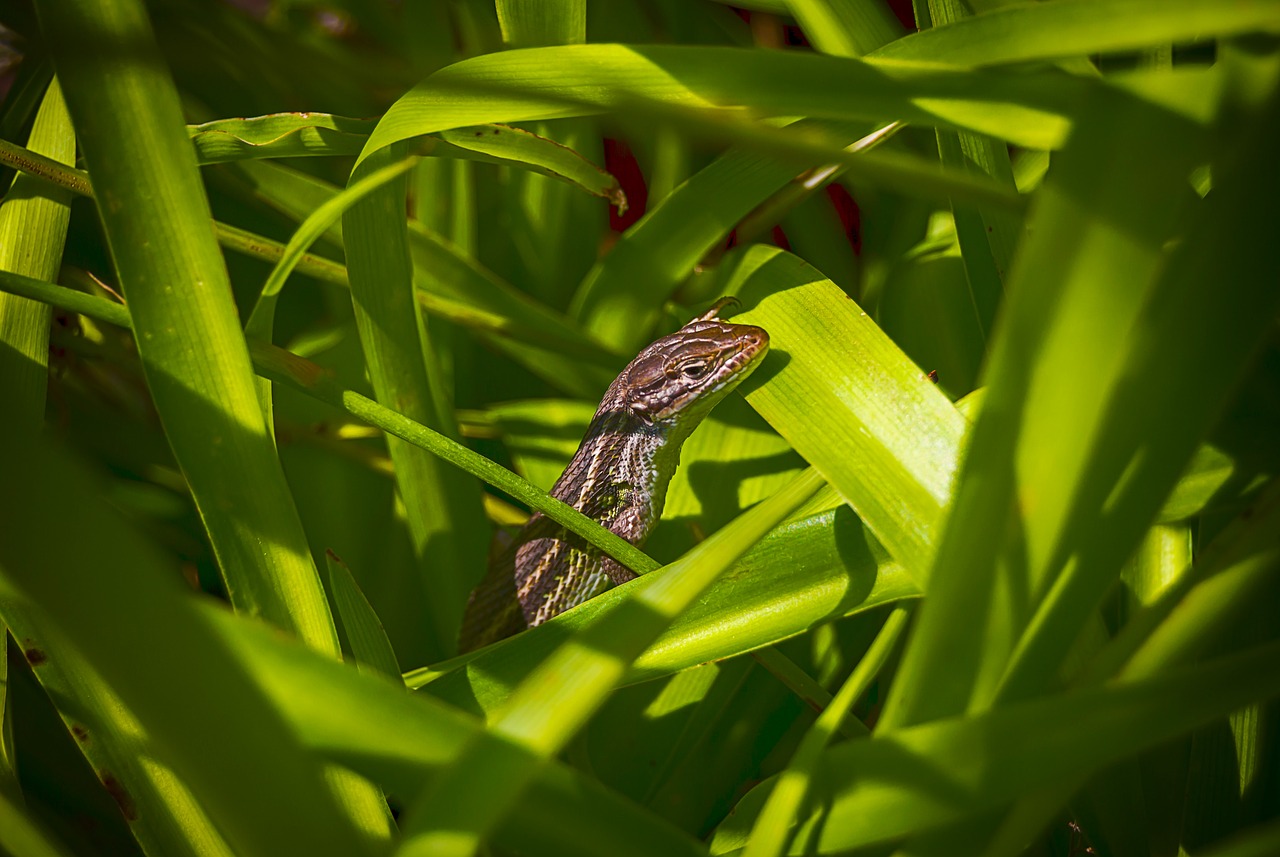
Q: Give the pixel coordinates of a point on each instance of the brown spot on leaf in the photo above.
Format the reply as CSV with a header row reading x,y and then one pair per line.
x,y
35,655
122,798
81,733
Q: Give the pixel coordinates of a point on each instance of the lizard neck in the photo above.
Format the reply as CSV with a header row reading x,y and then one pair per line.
x,y
621,471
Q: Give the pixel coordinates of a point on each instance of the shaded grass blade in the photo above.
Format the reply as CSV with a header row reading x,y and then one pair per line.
x,y
555,700
200,715
442,504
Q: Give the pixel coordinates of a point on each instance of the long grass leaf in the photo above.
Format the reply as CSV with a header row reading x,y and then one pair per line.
x,y
555,700
200,715
851,402
442,504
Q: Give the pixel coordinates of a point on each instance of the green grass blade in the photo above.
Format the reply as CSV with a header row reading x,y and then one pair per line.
x,y
157,222
442,505
308,232
369,644
880,789
846,28
33,223
542,22
199,714
621,297
279,135
677,82
769,835
23,836
554,701
402,739
986,236
1062,418
819,567
1193,612
33,229
1072,28
851,402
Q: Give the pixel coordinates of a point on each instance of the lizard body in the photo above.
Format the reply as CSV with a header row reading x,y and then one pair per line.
x,y
618,476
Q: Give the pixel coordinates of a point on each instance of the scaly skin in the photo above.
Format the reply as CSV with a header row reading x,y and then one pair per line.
x,y
618,476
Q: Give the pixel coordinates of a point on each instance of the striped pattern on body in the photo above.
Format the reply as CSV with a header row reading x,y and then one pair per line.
x,y
618,476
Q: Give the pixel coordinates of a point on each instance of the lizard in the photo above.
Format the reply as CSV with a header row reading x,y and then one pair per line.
x,y
618,476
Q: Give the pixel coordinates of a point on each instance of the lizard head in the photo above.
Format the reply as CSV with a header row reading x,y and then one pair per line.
x,y
682,376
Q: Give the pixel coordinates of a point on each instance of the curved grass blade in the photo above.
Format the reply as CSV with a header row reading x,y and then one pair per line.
x,y
850,402
846,28
401,740
1071,28
1074,454
261,318
450,281
201,717
769,835
880,789
621,297
549,706
364,632
677,81
33,230
445,517
820,567
22,835
279,135
157,224
33,222
157,221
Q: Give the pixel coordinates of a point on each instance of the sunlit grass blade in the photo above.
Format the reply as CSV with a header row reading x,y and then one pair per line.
x,y
555,700
622,295
401,740
819,567
1064,417
33,229
850,402
846,28
1073,28
986,236
201,716
1195,610
576,80
769,835
158,225
279,135
879,789
442,504
33,223
22,835
542,22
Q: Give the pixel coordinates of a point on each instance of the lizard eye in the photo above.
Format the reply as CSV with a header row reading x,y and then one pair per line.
x,y
695,370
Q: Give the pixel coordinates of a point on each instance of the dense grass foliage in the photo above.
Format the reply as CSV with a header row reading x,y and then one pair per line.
x,y
301,303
